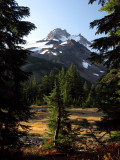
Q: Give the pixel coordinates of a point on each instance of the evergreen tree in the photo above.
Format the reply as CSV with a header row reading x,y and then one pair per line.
x,y
13,106
108,100
85,91
46,86
52,78
108,46
109,55
32,91
59,123
102,2
91,99
61,79
85,88
73,87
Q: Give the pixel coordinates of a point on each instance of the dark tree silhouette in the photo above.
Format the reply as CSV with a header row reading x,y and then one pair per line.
x,y
13,106
108,47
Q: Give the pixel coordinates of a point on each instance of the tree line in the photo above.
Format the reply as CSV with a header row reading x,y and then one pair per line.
x,y
75,91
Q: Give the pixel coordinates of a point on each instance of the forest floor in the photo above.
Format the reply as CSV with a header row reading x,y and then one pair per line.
x,y
39,129
38,125
86,138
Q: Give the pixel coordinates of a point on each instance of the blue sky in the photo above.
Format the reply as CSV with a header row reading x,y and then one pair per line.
x,y
72,15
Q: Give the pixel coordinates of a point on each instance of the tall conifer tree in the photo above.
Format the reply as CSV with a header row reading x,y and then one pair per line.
x,y
73,87
109,55
59,123
13,106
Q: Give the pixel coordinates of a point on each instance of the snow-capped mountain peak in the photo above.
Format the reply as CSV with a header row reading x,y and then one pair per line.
x,y
63,48
57,34
62,35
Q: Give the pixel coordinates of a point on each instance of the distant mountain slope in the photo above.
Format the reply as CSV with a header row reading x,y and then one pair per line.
x,y
62,48
40,67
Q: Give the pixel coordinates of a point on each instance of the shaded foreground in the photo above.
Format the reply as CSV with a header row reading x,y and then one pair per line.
x,y
39,125
57,156
85,147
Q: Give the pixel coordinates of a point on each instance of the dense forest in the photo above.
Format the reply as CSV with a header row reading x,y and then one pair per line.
x,y
61,91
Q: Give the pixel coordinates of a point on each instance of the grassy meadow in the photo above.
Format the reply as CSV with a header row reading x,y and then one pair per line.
x,y
38,124
39,128
87,138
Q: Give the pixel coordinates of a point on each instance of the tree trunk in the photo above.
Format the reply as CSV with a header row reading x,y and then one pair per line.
x,y
58,123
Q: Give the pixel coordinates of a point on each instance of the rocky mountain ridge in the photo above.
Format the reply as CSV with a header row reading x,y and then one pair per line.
x,y
62,48
63,35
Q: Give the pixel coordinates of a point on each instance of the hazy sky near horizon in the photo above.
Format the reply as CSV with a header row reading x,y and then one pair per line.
x,y
73,15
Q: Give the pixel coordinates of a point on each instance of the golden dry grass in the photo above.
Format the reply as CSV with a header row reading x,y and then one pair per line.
x,y
90,118
38,125
91,114
39,128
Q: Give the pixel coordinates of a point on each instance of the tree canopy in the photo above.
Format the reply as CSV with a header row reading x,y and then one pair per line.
x,y
108,53
13,106
108,47
102,2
